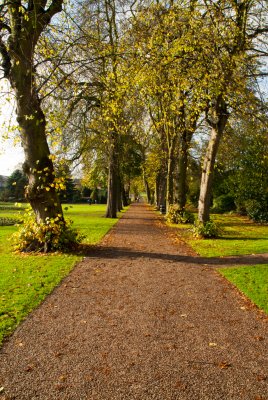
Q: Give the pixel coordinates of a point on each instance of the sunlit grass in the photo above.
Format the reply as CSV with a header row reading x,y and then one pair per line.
x,y
239,236
252,281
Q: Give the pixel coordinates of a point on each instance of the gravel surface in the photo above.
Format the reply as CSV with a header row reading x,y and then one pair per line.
x,y
140,318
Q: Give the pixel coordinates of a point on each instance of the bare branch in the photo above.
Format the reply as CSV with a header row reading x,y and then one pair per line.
x,y
6,62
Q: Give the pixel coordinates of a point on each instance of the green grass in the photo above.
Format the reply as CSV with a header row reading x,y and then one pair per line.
x,y
252,281
240,236
25,280
99,225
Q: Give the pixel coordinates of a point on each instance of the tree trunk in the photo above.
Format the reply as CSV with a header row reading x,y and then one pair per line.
x,y
38,166
220,115
119,195
162,187
124,197
147,188
182,169
170,177
112,197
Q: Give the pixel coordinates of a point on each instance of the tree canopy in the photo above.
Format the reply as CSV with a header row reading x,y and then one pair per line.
x,y
128,89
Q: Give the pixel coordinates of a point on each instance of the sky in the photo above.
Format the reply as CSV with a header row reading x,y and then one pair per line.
x,y
11,152
10,157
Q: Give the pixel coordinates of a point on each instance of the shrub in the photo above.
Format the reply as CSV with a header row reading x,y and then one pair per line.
x,y
257,210
176,215
224,203
53,235
208,230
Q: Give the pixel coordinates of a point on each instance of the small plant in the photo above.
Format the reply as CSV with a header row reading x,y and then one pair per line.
x,y
53,235
176,215
208,230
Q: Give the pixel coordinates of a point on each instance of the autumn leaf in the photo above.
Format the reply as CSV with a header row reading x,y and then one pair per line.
x,y
224,365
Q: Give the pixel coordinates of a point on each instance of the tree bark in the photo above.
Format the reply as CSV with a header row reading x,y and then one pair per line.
x,y
182,169
170,175
111,211
119,195
147,187
161,185
124,197
217,121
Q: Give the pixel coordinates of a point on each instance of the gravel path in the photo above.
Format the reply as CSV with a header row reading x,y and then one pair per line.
x,y
140,318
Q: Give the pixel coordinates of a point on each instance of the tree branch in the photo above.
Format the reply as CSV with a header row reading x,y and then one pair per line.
x,y
6,62
258,31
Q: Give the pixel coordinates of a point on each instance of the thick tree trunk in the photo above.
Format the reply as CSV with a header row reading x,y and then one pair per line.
x,y
113,181
38,166
220,115
161,187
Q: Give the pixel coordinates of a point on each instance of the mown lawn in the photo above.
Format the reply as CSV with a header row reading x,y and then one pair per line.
x,y
25,280
240,236
252,281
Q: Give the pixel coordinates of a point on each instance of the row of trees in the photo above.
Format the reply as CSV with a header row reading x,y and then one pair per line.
x,y
74,191
126,87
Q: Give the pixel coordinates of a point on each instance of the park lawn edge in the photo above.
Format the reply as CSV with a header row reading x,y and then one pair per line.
x,y
63,264
243,278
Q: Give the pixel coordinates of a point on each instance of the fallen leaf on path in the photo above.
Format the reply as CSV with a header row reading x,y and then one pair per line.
x,y
29,368
261,378
224,365
259,338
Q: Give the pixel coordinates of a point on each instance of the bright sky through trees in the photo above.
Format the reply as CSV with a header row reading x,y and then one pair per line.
x,y
11,153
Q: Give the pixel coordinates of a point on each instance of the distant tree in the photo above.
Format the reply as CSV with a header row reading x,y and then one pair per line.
x,y
248,180
15,185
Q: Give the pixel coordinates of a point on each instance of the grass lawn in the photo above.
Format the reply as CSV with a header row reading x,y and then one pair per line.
x,y
252,281
240,236
25,280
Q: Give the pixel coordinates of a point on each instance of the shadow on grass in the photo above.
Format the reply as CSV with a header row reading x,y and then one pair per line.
x,y
214,262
